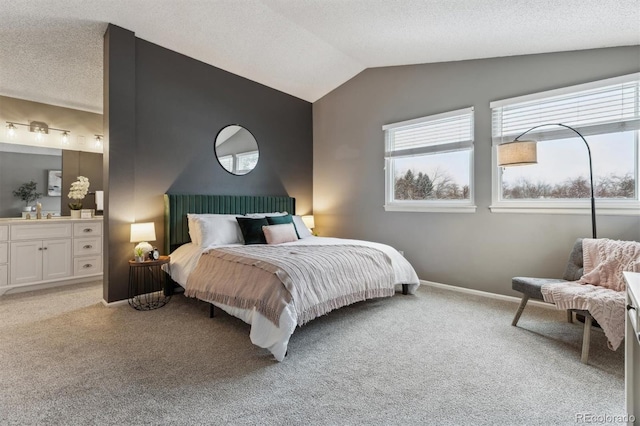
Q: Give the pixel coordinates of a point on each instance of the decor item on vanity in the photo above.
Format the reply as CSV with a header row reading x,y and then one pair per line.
x,y
78,191
28,193
141,233
54,185
522,153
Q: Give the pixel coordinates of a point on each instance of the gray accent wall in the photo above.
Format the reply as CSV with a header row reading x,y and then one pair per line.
x,y
162,113
481,250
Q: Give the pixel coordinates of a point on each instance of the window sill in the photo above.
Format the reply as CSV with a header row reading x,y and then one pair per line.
x,y
445,208
601,210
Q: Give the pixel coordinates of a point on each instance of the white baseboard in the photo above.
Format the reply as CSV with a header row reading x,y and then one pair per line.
x,y
22,288
115,304
486,294
125,301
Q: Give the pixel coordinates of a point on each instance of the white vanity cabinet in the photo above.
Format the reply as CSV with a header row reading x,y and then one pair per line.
x,y
4,255
632,349
41,260
49,252
87,248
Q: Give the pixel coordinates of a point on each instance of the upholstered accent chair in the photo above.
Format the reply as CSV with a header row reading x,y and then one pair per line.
x,y
531,288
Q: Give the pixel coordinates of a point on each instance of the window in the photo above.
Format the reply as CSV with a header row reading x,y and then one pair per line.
x,y
226,162
607,114
246,161
429,163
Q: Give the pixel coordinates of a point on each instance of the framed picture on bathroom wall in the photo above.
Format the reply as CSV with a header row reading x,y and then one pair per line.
x,y
54,185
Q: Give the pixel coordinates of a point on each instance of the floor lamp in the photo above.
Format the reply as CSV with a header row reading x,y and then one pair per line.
x,y
521,153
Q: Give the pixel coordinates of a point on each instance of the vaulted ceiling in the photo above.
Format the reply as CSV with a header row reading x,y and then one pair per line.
x,y
51,50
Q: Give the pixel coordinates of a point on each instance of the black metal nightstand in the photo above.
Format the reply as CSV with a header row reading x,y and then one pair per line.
x,y
147,283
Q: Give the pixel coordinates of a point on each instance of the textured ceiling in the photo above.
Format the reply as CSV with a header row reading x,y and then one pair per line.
x,y
51,50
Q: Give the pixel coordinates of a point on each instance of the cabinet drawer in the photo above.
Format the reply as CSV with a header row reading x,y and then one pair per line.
x,y
40,231
4,232
4,250
87,265
87,229
4,275
87,246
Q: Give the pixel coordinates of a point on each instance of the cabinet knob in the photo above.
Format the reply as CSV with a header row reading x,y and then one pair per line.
x,y
88,246
44,248
39,248
87,265
87,230
630,307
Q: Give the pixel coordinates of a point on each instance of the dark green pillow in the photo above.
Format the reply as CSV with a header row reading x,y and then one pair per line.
x,y
280,220
252,229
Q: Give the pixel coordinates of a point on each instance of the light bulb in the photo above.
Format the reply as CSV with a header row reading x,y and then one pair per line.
x,y
65,138
98,143
11,131
39,135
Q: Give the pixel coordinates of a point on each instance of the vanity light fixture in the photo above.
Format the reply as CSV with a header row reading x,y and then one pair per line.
x,y
98,141
39,128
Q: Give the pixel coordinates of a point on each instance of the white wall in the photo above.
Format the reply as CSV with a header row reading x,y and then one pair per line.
x,y
482,250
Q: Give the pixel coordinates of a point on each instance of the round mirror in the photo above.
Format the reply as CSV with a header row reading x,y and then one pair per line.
x,y
236,150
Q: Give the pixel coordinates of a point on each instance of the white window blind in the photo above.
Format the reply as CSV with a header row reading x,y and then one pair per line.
x,y
605,106
450,131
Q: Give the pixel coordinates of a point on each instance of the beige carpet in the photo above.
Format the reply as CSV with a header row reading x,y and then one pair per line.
x,y
438,357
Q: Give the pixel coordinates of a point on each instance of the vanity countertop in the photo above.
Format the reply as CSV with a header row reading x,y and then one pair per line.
x,y
18,220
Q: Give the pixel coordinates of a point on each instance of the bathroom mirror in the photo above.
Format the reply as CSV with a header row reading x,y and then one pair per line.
x,y
236,150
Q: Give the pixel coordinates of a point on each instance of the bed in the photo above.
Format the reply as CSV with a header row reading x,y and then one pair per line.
x,y
291,277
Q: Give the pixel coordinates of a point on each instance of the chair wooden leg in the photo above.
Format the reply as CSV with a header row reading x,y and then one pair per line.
x,y
570,316
523,303
586,338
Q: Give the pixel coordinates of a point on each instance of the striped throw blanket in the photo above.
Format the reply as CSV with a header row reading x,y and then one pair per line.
x,y
317,279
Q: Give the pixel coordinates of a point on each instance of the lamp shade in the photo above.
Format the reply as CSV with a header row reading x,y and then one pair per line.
x,y
309,221
143,232
517,153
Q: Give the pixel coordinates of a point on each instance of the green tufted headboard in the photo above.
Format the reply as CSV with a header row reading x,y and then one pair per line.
x,y
176,207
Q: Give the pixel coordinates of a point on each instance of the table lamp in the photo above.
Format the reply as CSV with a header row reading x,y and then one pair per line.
x,y
141,233
309,222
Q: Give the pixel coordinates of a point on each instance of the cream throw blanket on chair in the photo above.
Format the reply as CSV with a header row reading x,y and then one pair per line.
x,y
601,290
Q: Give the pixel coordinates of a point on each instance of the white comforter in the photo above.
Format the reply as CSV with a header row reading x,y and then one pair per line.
x,y
263,332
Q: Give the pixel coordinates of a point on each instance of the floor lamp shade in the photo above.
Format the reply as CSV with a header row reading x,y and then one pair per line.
x,y
517,153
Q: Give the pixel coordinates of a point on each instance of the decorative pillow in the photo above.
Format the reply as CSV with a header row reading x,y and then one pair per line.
x,y
252,229
278,234
301,228
279,220
261,215
209,229
194,228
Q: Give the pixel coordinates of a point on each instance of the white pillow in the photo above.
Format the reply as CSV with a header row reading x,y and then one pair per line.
x,y
303,231
261,215
278,234
194,228
208,229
